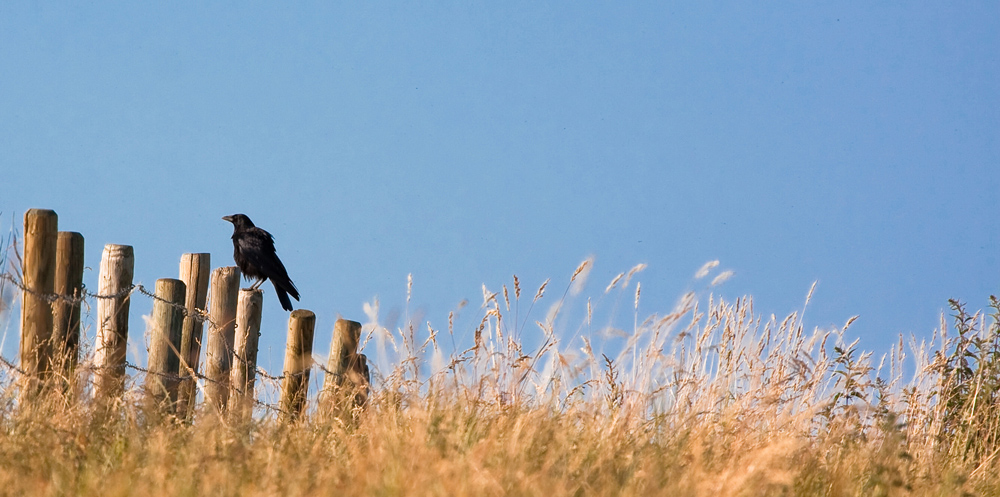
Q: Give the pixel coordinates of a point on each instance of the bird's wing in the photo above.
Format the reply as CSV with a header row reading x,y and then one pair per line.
x,y
257,246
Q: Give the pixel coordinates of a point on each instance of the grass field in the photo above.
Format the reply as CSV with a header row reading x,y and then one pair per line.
x,y
711,398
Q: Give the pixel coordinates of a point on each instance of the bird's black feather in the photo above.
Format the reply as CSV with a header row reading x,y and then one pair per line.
x,y
253,251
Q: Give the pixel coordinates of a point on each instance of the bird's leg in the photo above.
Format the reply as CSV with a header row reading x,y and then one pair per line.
x,y
257,283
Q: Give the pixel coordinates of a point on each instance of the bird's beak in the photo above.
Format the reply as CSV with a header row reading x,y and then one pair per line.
x,y
227,218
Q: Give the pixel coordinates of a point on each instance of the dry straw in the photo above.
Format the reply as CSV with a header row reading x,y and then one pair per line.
x,y
709,398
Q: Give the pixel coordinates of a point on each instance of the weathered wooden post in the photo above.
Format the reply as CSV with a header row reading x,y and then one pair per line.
x,y
66,312
114,285
165,343
244,366
343,348
221,334
347,377
298,360
194,273
39,265
364,378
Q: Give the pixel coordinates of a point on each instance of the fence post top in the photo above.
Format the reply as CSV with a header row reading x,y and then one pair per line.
x,y
39,212
114,247
302,314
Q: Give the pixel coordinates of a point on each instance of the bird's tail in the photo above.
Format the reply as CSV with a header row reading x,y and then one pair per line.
x,y
286,303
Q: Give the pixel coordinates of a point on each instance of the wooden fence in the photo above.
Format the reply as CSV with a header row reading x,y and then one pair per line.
x,y
52,286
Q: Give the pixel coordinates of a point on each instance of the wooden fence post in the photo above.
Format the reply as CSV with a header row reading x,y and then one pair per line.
x,y
194,273
244,366
221,334
66,314
165,343
347,374
117,264
298,360
39,265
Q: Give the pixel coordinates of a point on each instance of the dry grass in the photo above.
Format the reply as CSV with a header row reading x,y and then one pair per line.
x,y
711,398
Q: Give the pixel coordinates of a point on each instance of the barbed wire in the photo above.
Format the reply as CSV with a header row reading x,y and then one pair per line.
x,y
192,375
199,376
199,315
12,366
196,375
176,377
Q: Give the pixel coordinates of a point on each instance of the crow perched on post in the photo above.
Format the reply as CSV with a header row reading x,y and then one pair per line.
x,y
254,254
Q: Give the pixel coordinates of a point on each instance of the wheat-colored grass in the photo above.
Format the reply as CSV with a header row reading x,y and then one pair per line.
x,y
710,398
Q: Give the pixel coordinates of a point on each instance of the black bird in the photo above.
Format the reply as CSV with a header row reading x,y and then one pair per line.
x,y
254,254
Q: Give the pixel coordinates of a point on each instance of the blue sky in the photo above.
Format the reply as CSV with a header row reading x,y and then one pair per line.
x,y
851,144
